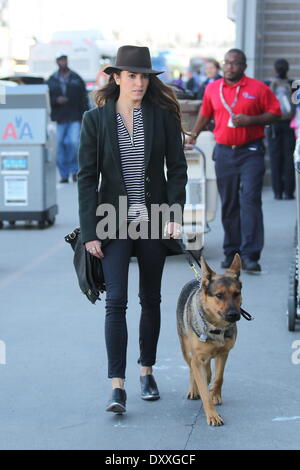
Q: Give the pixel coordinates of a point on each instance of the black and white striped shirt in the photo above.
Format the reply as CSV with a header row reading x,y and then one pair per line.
x,y
133,164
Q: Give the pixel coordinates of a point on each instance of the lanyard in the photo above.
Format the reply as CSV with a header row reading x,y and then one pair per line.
x,y
226,106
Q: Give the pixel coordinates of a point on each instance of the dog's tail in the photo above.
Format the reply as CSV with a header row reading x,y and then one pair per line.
x,y
189,288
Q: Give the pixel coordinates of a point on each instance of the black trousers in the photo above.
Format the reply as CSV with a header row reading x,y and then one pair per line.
x,y
151,256
281,143
239,174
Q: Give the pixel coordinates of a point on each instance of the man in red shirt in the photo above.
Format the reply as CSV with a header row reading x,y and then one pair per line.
x,y
241,107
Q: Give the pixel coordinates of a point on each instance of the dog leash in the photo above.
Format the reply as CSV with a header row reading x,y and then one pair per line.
x,y
190,258
246,315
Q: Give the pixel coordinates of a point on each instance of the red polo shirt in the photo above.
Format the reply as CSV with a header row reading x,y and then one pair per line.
x,y
254,98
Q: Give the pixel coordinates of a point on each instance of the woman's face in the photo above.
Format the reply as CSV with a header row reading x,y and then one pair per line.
x,y
133,86
210,70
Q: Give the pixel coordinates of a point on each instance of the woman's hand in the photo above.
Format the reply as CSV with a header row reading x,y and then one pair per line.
x,y
94,248
173,229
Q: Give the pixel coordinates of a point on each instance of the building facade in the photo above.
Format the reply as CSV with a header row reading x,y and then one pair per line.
x,y
267,30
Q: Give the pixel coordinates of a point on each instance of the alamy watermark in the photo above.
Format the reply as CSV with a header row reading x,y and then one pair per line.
x,y
2,353
296,354
136,222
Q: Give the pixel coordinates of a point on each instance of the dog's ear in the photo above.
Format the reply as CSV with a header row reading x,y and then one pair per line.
x,y
207,272
236,266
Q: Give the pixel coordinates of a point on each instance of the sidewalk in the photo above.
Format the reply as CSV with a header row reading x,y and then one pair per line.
x,y
54,387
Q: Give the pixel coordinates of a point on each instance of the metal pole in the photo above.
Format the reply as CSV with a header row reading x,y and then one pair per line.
x,y
240,24
251,36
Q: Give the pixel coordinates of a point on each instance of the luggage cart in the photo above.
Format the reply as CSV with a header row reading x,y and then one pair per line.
x,y
194,217
201,193
293,312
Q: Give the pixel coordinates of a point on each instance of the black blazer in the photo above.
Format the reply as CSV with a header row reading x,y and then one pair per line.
x,y
163,143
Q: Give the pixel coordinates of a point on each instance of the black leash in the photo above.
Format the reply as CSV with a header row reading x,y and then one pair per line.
x,y
191,259
246,315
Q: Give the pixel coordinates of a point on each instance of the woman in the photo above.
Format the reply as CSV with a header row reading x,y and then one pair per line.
x,y
212,71
141,131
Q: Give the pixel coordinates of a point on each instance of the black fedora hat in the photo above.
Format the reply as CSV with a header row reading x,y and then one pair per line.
x,y
134,59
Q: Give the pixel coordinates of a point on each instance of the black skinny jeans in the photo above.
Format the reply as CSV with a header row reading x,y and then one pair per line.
x,y
151,256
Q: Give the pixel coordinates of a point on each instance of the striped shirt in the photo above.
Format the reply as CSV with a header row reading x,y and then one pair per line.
x,y
133,165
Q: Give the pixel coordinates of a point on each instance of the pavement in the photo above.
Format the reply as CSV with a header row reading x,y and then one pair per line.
x,y
54,385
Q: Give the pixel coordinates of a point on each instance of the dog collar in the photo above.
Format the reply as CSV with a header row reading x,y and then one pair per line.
x,y
203,337
206,329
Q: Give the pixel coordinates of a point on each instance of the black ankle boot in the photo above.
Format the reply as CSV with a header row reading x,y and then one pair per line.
x,y
117,403
149,390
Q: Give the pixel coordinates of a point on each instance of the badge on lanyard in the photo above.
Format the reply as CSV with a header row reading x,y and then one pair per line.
x,y
230,123
226,106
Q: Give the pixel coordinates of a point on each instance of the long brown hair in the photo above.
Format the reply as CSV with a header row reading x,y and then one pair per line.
x,y
158,93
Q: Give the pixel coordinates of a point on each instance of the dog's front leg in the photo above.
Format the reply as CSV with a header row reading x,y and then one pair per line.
x,y
193,393
216,388
199,368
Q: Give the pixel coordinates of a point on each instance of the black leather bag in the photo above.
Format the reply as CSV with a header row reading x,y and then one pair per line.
x,y
88,268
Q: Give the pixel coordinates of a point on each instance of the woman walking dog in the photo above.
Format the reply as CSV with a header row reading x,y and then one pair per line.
x,y
141,132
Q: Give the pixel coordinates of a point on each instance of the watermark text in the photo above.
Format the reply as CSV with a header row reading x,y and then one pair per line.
x,y
2,353
296,354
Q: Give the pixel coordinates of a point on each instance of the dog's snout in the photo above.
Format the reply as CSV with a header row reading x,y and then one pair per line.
x,y
233,315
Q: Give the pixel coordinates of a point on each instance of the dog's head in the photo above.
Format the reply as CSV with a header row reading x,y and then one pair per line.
x,y
221,294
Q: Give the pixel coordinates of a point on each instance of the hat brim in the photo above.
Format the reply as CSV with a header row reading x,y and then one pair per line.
x,y
110,70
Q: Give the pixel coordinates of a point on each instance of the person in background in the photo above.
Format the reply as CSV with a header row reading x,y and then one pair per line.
x,y
212,72
179,81
241,107
280,135
295,122
193,83
68,98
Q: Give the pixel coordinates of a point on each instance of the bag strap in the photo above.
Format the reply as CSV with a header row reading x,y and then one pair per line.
x,y
71,236
100,142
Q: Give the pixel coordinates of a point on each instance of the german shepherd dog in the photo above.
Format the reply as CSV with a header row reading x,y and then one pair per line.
x,y
206,325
